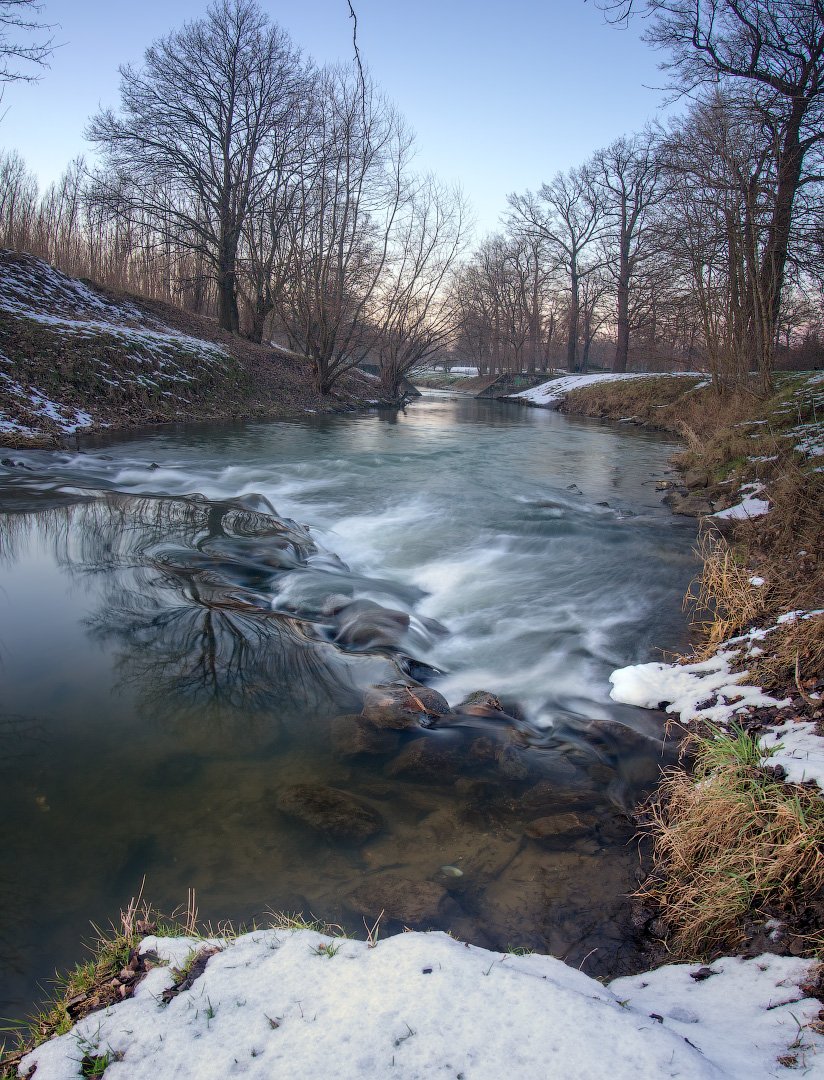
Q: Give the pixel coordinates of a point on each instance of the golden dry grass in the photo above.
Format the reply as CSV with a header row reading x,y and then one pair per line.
x,y
722,599
726,841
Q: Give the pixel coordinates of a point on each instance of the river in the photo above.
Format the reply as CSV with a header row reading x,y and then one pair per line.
x,y
185,612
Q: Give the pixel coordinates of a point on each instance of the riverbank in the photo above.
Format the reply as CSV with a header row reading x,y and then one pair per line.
x,y
748,702
76,358
467,1011
308,1003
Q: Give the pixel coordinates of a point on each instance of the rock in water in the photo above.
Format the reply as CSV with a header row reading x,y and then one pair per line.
x,y
410,902
334,813
364,624
428,761
353,736
560,828
398,706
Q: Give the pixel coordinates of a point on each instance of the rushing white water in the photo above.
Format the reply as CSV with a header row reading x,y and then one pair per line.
x,y
538,541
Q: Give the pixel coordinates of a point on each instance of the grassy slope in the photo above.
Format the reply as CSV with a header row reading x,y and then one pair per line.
x,y
69,347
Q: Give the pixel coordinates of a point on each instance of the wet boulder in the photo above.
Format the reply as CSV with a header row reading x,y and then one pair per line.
x,y
364,624
481,699
411,902
353,735
696,478
335,814
398,706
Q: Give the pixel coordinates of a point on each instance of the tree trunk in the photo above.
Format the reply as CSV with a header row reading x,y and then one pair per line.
x,y
622,345
774,260
572,338
228,314
260,313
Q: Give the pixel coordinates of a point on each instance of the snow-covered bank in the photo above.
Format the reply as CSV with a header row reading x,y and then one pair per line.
x,y
306,1006
75,358
715,691
551,394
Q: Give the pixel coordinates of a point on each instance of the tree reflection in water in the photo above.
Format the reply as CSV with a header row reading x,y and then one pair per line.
x,y
186,594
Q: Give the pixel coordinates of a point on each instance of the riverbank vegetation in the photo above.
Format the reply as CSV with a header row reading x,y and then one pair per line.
x,y
733,843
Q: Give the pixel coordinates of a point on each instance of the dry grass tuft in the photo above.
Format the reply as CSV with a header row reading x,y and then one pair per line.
x,y
795,658
722,598
726,841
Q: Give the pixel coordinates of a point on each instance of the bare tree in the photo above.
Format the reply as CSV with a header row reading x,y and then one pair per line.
x,y
26,43
341,237
776,48
628,176
413,314
193,146
568,214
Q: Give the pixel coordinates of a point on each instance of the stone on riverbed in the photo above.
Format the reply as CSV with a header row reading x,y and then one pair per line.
x,y
353,735
427,760
333,813
398,706
411,902
560,828
363,624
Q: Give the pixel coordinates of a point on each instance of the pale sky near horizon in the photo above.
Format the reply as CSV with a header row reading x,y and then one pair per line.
x,y
501,95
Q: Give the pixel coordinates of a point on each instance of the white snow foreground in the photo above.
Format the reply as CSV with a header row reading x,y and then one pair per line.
x,y
552,393
297,1004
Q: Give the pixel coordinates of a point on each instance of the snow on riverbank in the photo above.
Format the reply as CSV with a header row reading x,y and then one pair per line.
x,y
711,690
303,1005
550,394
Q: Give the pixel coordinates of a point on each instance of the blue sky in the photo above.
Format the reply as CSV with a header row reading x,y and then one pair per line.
x,y
501,95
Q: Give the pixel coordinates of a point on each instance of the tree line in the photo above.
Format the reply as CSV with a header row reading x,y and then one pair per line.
x,y
240,180
699,242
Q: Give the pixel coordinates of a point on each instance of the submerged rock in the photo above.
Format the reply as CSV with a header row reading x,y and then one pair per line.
x,y
560,828
397,706
410,902
352,735
334,813
364,624
428,760
615,734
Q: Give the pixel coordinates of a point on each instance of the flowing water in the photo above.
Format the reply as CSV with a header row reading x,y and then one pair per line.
x,y
184,615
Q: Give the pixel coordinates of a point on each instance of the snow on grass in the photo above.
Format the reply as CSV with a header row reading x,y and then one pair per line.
x,y
709,690
302,1005
30,282
553,392
154,341
810,439
36,403
749,507
743,1018
799,749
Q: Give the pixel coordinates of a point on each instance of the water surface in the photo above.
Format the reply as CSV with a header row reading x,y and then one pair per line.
x,y
184,614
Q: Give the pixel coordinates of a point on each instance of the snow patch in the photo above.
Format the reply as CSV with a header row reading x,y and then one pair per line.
x,y
302,1005
553,392
709,690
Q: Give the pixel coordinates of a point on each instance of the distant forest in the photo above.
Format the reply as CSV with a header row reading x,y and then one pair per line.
x,y
238,179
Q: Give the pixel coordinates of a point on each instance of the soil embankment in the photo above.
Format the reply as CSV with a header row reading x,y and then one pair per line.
x,y
77,358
